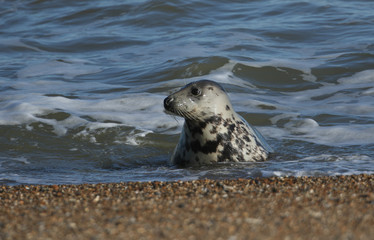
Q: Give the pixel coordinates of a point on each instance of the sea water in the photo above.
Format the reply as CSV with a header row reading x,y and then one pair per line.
x,y
82,85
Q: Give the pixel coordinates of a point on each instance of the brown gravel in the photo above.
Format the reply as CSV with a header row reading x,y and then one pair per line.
x,y
269,208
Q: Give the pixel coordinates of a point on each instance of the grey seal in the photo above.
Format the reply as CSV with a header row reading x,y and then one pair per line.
x,y
212,132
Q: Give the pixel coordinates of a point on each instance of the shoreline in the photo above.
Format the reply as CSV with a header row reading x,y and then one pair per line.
x,y
336,207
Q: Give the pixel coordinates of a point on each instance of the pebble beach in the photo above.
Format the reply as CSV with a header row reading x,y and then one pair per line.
x,y
335,207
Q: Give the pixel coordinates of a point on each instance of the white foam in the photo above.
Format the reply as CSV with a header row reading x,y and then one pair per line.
x,y
328,157
322,164
366,76
303,65
305,129
144,111
134,138
20,159
337,98
33,99
225,74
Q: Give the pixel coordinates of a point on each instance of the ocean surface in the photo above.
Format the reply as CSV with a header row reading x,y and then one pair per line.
x,y
82,85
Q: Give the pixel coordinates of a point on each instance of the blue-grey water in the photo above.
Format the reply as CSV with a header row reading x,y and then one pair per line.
x,y
82,85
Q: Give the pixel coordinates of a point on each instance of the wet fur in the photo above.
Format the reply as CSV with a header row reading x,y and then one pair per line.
x,y
213,131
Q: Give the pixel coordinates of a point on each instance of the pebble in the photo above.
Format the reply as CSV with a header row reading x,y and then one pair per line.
x,y
263,208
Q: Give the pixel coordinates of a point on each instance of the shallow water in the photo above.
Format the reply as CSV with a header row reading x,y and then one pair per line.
x,y
82,85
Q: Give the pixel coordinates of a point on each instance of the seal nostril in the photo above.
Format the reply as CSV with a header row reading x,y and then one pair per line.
x,y
168,101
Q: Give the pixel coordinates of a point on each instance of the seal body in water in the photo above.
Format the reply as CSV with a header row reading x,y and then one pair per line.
x,y
213,131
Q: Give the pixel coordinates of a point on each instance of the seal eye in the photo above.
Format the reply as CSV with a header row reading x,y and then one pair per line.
x,y
195,91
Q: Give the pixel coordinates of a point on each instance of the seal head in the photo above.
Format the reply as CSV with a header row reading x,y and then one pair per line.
x,y
213,131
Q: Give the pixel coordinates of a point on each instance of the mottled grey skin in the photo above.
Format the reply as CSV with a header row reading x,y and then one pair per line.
x,y
213,132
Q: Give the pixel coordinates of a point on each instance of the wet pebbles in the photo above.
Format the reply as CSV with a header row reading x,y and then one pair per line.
x,y
340,207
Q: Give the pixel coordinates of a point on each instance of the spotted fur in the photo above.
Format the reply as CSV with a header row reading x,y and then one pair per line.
x,y
213,131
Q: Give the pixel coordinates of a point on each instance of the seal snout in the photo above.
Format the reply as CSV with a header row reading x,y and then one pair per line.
x,y
168,102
